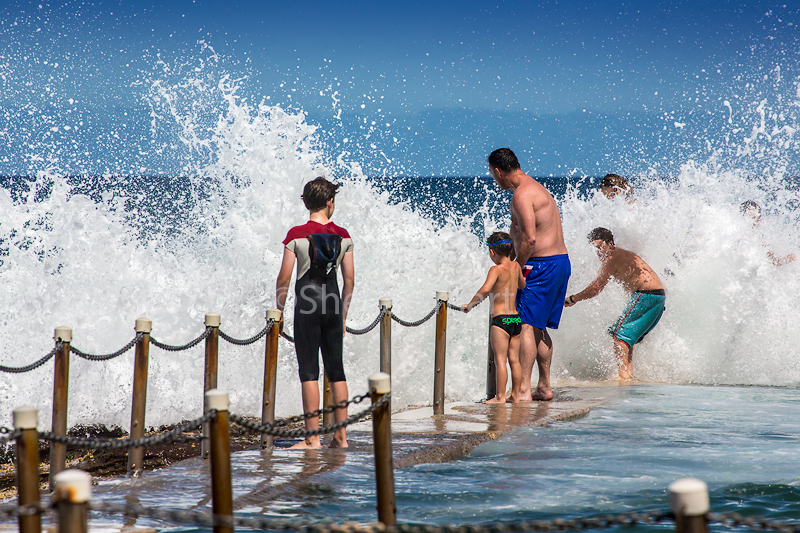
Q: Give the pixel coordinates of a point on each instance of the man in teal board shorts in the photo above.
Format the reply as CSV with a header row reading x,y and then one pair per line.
x,y
645,306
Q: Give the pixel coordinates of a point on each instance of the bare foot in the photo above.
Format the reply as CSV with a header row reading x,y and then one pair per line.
x,y
335,443
306,444
496,399
542,395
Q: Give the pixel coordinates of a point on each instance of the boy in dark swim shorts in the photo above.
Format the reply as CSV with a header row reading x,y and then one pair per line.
x,y
501,285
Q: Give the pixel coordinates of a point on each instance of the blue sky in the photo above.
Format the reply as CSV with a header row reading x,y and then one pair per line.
x,y
570,85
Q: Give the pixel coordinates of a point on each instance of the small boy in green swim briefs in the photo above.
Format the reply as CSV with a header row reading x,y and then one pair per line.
x,y
501,286
646,304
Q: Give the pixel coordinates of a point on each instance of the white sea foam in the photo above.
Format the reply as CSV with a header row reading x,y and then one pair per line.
x,y
97,264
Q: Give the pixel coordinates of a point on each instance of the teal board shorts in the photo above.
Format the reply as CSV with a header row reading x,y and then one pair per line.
x,y
641,315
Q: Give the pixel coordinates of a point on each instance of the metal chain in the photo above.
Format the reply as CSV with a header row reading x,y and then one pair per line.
x,y
251,340
540,526
190,344
752,522
559,524
287,336
458,307
37,364
119,352
420,321
15,511
169,437
370,327
8,434
272,429
198,517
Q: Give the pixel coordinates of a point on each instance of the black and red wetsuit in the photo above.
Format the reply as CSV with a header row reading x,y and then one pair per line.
x,y
318,305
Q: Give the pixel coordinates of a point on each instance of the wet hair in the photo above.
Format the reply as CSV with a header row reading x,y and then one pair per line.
x,y
317,192
617,182
602,234
503,159
750,205
504,249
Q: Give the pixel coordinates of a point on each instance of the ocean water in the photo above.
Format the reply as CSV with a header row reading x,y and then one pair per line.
x,y
145,236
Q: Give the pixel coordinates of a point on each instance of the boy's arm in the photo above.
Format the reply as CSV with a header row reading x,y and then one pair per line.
x,y
491,278
594,287
521,280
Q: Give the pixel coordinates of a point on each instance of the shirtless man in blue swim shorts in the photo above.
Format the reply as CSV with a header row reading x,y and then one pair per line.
x,y
645,306
542,255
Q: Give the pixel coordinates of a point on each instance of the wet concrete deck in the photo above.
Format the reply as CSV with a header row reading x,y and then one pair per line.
x,y
418,436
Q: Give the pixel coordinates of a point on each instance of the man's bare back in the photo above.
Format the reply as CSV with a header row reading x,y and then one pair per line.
x,y
535,220
631,271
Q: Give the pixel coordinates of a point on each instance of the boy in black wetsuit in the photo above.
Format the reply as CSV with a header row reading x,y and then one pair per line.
x,y
501,286
320,312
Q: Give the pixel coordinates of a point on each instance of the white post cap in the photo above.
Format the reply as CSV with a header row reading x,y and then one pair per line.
x,y
73,486
217,399
26,417
144,325
213,320
688,497
274,314
385,302
443,295
63,333
380,383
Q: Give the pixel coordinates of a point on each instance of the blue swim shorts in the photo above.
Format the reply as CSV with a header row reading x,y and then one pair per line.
x,y
541,302
641,315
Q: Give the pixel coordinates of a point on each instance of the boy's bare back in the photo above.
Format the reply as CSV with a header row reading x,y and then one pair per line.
x,y
504,291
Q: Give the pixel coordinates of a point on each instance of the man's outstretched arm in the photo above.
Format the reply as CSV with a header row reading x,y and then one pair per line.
x,y
594,288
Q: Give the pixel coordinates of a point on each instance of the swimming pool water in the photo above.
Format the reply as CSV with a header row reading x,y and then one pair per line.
x,y
742,441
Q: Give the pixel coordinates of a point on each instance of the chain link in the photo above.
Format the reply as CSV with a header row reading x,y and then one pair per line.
x,y
273,428
458,307
119,352
420,321
287,336
32,366
8,434
169,437
15,511
187,517
752,522
251,340
370,327
190,344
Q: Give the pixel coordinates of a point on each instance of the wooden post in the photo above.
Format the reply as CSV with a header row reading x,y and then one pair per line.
x,y
385,305
211,370
58,452
327,401
380,384
27,419
73,488
221,491
270,374
491,369
439,356
688,499
140,366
